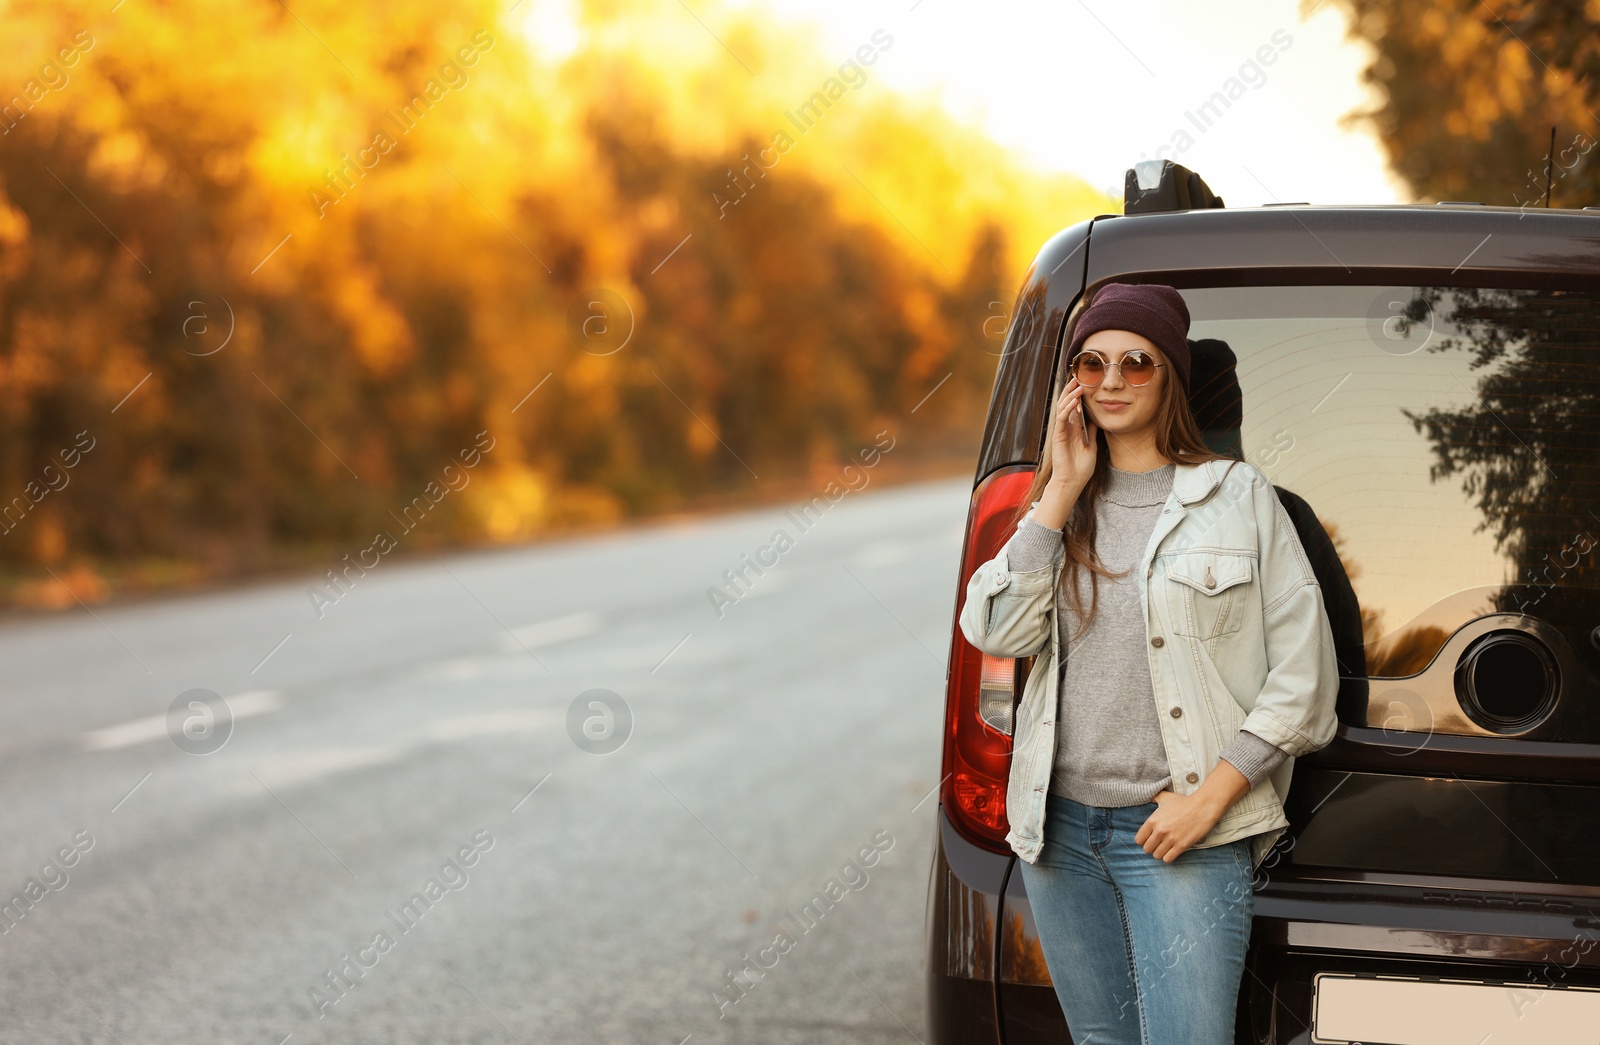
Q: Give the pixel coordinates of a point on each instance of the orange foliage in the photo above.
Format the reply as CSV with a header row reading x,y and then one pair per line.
x,y
283,265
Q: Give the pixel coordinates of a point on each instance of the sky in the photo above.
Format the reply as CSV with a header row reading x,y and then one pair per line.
x,y
1090,88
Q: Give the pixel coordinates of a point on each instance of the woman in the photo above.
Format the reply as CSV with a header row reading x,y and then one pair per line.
x,y
1200,646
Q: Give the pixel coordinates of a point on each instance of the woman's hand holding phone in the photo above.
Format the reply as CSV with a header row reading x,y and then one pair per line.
x,y
1073,453
1075,448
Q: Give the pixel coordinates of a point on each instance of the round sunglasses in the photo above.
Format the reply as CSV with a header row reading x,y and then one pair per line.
x,y
1137,367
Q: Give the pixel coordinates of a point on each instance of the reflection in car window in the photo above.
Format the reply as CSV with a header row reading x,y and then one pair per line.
x,y
1445,438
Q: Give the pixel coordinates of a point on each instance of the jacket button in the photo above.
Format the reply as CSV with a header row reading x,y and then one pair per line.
x,y
1177,712
1156,641
1192,777
1151,572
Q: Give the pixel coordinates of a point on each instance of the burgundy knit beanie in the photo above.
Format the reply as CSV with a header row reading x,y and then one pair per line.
x,y
1152,310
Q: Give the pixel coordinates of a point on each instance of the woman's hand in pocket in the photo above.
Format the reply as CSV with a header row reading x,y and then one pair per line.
x,y
1178,823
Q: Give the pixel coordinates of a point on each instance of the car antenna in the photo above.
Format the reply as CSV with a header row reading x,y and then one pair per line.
x,y
1548,160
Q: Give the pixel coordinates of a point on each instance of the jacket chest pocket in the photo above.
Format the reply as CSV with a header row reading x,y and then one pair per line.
x,y
1208,592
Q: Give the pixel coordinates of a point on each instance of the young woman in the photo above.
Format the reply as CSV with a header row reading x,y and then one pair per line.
x,y
1199,665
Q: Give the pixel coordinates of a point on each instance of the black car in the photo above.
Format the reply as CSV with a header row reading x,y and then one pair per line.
x,y
1422,386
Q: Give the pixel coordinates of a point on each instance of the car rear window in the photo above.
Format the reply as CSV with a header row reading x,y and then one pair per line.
x,y
1446,438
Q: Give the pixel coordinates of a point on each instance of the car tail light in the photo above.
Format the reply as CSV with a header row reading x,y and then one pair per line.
x,y
997,692
981,689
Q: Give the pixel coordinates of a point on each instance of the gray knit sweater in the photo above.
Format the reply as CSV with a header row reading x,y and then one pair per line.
x,y
1109,750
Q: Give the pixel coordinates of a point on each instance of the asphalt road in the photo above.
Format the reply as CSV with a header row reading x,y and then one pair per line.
x,y
407,835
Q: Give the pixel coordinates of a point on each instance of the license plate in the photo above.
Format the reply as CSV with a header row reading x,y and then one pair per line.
x,y
1395,1010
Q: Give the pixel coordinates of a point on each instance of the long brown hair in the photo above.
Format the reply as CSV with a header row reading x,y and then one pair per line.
x,y
1178,439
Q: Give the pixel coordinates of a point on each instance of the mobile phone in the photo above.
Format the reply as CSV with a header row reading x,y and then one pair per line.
x,y
1083,421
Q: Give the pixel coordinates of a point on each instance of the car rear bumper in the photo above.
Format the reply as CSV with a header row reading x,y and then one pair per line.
x,y
1447,929
964,889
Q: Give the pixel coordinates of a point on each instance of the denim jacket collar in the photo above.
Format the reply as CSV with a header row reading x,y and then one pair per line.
x,y
1194,484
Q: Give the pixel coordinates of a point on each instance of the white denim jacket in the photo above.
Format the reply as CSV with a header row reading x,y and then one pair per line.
x,y
1237,637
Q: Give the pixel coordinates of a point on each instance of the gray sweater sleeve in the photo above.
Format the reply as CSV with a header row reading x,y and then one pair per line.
x,y
1254,757
1033,547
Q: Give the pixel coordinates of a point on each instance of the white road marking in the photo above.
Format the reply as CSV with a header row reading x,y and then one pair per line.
x,y
550,632
154,727
495,723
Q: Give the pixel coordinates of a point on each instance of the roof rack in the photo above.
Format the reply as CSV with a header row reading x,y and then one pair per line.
x,y
1153,186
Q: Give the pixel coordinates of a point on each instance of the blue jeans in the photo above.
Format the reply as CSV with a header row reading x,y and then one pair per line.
x,y
1141,952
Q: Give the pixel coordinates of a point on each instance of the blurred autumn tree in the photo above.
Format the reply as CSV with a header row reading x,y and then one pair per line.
x,y
1470,91
281,267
